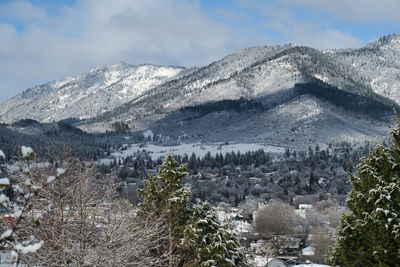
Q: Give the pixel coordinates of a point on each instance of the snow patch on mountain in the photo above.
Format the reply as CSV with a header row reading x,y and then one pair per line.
x,y
130,93
86,95
378,63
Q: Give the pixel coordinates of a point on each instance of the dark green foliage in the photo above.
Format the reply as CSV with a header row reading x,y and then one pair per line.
x,y
64,126
238,105
208,243
370,236
194,236
165,198
120,127
162,193
25,122
373,105
41,136
71,120
231,176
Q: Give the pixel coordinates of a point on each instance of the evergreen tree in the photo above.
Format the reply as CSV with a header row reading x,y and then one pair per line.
x,y
209,243
195,237
163,196
370,236
287,153
312,178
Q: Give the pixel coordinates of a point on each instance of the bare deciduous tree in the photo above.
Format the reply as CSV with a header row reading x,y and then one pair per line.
x,y
63,213
332,211
15,197
275,218
277,222
248,207
82,223
322,241
315,219
125,241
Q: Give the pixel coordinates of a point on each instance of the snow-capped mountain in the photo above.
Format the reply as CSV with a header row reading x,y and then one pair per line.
x,y
379,64
85,96
303,91
261,71
302,120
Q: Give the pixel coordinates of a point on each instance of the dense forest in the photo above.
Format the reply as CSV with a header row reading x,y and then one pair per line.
x,y
41,136
229,177
235,176
373,105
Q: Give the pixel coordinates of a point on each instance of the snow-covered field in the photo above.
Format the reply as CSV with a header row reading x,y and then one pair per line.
x,y
156,151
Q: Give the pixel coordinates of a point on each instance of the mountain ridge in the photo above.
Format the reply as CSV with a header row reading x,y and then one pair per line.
x,y
298,61
88,94
361,83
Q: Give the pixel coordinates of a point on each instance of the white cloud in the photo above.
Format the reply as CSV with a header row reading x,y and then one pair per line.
x,y
356,10
172,32
310,35
22,10
280,17
95,32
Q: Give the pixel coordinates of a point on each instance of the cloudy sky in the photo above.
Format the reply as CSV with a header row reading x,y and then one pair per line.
x,y
44,40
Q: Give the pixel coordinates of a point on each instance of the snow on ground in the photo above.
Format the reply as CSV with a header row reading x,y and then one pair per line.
x,y
242,227
261,261
6,261
156,151
312,265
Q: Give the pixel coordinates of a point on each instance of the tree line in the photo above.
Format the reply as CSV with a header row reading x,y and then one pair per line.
x,y
65,214
232,176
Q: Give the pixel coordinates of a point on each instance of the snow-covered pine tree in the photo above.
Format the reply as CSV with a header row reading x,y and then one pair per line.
x,y
370,236
209,243
195,236
164,197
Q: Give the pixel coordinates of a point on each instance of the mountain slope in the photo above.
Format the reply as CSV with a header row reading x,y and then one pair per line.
x,y
379,64
87,95
244,75
306,95
301,94
44,138
297,117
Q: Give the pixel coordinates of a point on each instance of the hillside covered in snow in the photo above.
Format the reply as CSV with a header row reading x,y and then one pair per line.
x,y
287,94
85,96
256,72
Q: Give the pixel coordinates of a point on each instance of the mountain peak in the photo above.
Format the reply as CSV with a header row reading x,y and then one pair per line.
x,y
391,41
122,90
86,95
113,66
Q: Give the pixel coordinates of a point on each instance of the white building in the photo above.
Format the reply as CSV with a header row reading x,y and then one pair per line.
x,y
308,251
305,207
